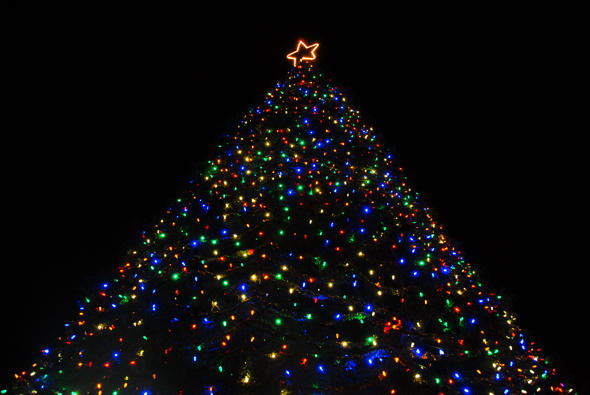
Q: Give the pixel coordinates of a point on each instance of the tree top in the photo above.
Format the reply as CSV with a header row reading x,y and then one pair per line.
x,y
303,52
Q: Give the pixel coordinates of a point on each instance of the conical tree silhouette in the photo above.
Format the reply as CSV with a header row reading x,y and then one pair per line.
x,y
301,262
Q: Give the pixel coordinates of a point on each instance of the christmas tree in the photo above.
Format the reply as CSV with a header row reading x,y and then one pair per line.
x,y
301,261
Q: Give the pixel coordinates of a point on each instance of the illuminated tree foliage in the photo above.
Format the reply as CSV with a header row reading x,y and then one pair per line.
x,y
301,261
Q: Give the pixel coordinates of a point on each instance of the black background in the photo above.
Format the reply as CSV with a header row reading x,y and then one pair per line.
x,y
109,108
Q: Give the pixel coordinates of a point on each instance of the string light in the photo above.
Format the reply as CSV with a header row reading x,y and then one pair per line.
x,y
302,223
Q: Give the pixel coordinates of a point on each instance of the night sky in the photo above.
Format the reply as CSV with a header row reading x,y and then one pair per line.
x,y
111,108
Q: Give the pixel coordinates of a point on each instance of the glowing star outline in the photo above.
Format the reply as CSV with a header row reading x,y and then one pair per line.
x,y
306,56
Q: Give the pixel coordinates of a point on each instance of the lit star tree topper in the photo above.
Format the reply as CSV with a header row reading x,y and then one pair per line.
x,y
303,52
